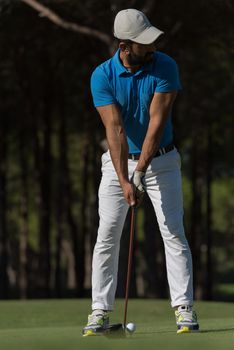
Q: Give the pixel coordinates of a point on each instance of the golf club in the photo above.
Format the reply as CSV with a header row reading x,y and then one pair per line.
x,y
119,327
132,229
115,329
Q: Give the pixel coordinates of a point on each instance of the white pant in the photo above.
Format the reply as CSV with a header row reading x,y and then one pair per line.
x,y
163,185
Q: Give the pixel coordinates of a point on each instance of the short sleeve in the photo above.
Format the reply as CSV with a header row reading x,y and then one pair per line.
x,y
101,89
168,76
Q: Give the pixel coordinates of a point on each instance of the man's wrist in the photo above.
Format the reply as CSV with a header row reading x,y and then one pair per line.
x,y
123,181
142,165
140,169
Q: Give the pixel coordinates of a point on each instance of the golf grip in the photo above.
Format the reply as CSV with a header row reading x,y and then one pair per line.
x,y
132,229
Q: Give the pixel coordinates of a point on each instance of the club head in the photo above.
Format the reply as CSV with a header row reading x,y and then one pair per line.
x,y
115,330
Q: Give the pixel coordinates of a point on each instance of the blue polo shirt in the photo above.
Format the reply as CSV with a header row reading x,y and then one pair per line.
x,y
112,83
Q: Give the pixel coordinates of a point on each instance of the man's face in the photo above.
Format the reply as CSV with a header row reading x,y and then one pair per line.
x,y
140,54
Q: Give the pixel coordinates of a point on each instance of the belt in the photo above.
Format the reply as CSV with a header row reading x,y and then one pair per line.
x,y
160,152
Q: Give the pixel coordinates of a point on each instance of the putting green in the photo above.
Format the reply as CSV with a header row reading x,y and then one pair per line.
x,y
57,324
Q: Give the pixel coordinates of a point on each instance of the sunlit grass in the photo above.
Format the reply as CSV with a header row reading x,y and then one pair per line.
x,y
57,324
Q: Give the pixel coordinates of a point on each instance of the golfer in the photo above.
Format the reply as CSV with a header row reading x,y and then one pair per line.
x,y
134,92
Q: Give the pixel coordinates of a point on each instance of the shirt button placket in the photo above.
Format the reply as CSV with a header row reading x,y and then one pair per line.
x,y
134,87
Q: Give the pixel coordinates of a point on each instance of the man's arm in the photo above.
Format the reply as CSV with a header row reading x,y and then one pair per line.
x,y
118,147
160,107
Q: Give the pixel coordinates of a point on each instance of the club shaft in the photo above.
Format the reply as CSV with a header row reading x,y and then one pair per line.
x,y
130,253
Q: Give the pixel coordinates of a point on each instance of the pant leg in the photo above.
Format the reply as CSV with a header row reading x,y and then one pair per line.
x,y
112,212
164,187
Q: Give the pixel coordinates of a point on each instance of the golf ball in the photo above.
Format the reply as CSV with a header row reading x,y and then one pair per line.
x,y
131,327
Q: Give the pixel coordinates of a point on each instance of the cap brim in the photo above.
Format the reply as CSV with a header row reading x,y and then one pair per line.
x,y
148,36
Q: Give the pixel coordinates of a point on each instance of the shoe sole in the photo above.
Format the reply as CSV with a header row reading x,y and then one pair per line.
x,y
187,330
91,333
111,330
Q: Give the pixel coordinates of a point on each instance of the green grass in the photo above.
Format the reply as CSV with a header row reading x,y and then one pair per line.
x,y
57,324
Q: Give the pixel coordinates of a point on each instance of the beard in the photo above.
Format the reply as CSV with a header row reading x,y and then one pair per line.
x,y
136,60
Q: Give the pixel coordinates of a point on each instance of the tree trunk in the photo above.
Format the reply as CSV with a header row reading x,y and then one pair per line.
x,y
197,224
45,187
84,209
42,164
59,235
90,237
23,238
77,241
74,237
4,281
73,227
60,201
209,268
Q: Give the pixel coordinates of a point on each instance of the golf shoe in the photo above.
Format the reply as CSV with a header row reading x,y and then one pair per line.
x,y
98,321
186,319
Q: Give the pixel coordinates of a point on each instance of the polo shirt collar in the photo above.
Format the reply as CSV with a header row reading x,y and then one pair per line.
x,y
118,65
121,70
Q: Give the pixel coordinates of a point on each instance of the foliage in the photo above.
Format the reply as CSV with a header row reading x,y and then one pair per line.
x,y
51,133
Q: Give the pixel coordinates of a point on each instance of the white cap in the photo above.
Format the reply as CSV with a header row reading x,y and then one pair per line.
x,y
133,25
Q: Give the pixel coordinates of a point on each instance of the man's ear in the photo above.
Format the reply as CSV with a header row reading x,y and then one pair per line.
x,y
124,47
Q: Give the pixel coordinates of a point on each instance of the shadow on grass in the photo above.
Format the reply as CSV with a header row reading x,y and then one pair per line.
x,y
154,332
230,329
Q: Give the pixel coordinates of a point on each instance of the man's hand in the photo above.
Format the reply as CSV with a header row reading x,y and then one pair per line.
x,y
138,180
129,194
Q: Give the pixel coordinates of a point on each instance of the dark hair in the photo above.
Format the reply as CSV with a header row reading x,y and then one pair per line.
x,y
125,41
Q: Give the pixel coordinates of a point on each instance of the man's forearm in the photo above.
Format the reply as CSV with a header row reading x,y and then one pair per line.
x,y
160,107
119,152
150,145
118,147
